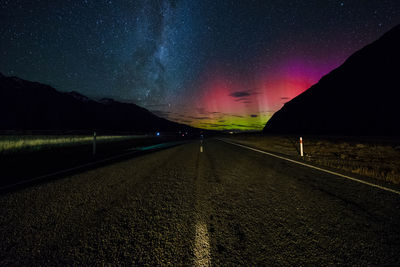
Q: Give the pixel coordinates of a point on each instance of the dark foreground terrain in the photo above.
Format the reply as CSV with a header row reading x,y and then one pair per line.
x,y
24,165
226,205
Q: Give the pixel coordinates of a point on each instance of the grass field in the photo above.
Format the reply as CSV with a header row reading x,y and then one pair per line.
x,y
369,157
10,144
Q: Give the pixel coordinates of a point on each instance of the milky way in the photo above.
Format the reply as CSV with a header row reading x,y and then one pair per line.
x,y
211,64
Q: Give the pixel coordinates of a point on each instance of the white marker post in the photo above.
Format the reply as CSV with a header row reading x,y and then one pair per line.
x,y
301,146
94,143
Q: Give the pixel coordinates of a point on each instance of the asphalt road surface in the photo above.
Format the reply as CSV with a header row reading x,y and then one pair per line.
x,y
226,205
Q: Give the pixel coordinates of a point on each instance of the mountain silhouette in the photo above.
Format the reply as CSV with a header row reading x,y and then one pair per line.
x,y
26,105
361,97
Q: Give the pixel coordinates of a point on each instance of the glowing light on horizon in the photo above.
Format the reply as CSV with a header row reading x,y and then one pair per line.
x,y
246,103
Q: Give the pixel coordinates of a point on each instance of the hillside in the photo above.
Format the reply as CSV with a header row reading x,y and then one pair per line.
x,y
26,105
361,97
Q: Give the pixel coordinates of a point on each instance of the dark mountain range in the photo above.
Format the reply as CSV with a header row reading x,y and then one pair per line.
x,y
361,97
26,105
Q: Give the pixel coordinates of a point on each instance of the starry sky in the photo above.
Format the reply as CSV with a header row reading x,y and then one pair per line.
x,y
213,64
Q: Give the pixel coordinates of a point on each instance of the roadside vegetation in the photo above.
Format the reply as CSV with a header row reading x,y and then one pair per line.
x,y
10,144
370,157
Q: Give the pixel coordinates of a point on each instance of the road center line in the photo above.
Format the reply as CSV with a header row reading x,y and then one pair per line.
x,y
202,245
201,250
314,167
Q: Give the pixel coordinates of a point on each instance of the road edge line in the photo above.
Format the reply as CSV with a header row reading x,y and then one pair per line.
x,y
314,167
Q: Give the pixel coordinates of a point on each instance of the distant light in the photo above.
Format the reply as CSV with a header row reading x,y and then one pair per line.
x,y
183,134
231,132
158,133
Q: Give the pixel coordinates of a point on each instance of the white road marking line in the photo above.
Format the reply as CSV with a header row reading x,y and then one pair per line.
x,y
201,249
314,167
202,255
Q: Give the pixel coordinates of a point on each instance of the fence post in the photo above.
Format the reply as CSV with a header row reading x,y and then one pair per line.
x,y
301,146
94,143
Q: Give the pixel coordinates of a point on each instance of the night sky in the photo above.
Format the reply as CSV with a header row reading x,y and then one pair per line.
x,y
208,63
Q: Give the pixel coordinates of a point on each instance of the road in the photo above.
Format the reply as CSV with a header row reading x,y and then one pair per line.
x,y
226,205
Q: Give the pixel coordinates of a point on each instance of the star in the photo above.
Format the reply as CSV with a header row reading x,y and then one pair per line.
x,y
186,56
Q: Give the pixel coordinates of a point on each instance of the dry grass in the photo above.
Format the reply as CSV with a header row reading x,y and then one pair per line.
x,y
28,143
379,159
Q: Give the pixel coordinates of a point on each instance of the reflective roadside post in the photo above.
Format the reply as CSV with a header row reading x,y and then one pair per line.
x,y
94,143
301,146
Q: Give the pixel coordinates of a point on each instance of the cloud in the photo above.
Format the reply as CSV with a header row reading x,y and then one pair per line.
x,y
243,94
161,113
241,99
254,115
214,124
185,121
267,111
199,118
158,105
240,125
240,94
